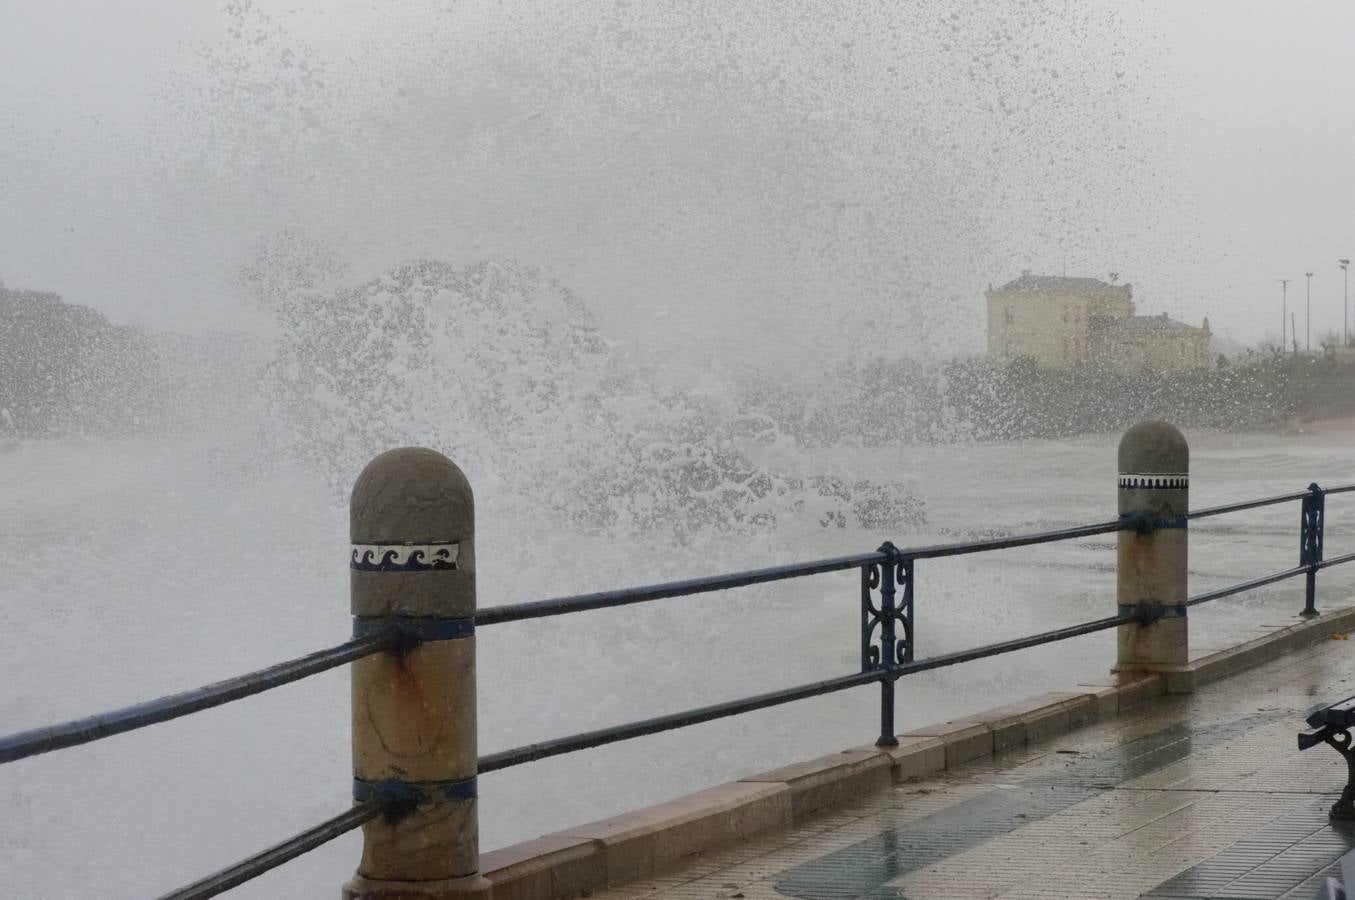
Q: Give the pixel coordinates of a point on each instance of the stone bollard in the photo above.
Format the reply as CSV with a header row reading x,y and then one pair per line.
x,y
412,522
1154,487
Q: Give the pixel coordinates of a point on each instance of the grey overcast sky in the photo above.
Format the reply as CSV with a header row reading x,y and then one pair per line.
x,y
698,170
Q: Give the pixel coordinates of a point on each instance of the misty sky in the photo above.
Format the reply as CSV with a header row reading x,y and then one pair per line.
x,y
799,175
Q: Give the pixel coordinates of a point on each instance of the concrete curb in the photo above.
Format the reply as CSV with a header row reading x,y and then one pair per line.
x,y
544,868
829,780
638,844
1220,664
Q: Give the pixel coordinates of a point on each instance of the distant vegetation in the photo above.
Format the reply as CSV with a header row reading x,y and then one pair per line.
x,y
64,368
1020,401
881,402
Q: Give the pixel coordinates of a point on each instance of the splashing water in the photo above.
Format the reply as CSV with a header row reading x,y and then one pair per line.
x,y
612,261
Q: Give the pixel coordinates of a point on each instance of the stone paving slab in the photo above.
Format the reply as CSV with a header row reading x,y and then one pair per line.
x,y
1203,795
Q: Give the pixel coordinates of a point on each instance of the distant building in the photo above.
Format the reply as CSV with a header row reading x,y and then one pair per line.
x,y
1062,322
1151,344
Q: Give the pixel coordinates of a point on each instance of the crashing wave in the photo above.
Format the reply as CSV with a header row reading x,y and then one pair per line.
x,y
505,371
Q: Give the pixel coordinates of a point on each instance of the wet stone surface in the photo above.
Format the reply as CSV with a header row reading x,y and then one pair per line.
x,y
1202,796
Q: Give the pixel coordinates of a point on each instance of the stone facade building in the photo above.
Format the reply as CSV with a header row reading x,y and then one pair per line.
x,y
1062,322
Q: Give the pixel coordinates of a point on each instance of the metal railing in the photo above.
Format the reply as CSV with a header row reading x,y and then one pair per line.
x,y
887,578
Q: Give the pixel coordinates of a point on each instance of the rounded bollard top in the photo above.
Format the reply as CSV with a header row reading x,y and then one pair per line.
x,y
1155,448
411,495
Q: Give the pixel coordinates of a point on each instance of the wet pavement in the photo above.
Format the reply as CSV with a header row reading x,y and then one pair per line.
x,y
1199,796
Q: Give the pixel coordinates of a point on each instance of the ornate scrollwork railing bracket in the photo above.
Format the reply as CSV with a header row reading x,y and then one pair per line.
x,y
887,626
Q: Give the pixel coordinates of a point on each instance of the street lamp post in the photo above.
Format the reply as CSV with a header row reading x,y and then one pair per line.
x,y
1308,316
1345,301
1284,310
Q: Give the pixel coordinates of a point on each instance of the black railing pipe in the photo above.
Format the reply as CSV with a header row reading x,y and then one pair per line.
x,y
290,849
936,551
1336,561
1242,505
536,609
129,718
545,749
602,736
1245,586
1045,637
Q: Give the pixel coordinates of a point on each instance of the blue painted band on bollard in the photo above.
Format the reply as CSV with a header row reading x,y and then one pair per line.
x,y
1146,524
418,629
402,796
1151,613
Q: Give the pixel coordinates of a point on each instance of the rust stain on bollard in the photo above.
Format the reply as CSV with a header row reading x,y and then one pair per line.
x,y
409,719
403,714
406,702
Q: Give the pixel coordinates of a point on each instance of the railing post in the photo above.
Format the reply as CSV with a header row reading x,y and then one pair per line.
x,y
412,521
887,646
1154,490
1311,526
893,649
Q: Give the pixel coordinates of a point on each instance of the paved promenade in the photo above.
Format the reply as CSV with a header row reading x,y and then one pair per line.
x,y
1194,796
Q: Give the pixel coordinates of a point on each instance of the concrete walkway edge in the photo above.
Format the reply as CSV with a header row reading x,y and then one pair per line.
x,y
638,844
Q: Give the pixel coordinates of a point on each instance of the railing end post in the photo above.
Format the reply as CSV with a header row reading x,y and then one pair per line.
x,y
412,523
1154,494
